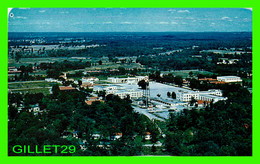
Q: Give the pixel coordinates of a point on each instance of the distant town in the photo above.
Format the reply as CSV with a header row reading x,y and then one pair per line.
x,y
117,94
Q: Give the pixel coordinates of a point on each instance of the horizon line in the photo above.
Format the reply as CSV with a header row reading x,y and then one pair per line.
x,y
118,31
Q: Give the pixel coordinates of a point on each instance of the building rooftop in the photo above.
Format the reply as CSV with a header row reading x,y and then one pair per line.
x,y
66,88
229,76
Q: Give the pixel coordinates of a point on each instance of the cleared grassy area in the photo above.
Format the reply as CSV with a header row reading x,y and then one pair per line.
x,y
27,61
45,91
185,73
28,85
110,65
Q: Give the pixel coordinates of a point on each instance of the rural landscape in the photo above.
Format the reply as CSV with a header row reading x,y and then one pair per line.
x,y
131,93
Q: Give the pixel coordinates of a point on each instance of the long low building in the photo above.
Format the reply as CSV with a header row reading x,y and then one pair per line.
x,y
213,98
182,95
131,93
125,80
186,95
119,90
210,95
229,79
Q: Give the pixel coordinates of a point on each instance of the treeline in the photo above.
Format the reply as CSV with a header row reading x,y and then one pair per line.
x,y
176,61
135,44
54,70
65,65
25,74
63,113
223,129
168,78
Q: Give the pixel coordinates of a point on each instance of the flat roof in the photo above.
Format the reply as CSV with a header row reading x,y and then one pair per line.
x,y
229,76
64,88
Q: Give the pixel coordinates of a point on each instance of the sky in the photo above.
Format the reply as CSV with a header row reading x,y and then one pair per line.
x,y
130,20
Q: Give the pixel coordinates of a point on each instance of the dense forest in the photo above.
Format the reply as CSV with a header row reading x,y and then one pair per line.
x,y
131,44
65,113
164,51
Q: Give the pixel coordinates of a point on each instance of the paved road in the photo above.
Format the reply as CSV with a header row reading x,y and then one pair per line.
x,y
146,113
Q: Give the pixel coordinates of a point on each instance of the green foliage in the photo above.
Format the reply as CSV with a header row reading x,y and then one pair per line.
x,y
173,95
67,112
143,84
218,130
178,80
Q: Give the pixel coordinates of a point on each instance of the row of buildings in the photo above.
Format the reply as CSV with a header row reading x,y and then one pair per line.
x,y
214,95
125,80
119,90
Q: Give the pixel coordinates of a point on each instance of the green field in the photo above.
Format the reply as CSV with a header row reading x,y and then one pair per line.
x,y
185,73
31,87
27,61
34,84
45,91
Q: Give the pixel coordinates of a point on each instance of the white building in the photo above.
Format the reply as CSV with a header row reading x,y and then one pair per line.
x,y
125,80
132,94
229,79
120,91
53,80
89,80
186,95
216,92
213,98
212,94
34,108
96,136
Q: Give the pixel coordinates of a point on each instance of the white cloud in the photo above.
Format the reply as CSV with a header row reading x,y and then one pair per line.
x,y
225,18
24,8
174,23
171,10
107,22
163,22
126,23
246,20
251,9
42,23
42,11
19,17
189,18
183,11
212,24
147,22
64,12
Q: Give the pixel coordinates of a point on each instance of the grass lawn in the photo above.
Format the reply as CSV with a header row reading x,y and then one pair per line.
x,y
27,61
45,91
185,73
28,85
111,65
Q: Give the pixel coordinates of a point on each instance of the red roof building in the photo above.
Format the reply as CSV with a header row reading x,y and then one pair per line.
x,y
89,102
207,79
67,88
